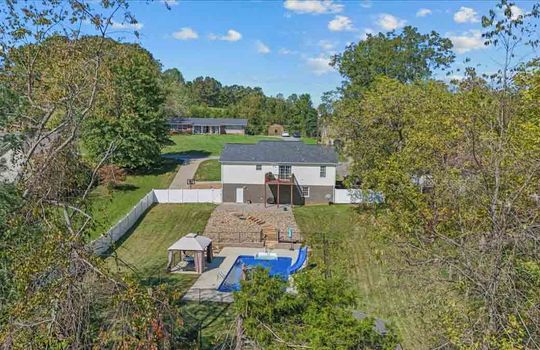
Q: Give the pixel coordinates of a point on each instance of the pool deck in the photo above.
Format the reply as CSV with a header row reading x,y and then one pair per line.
x,y
205,288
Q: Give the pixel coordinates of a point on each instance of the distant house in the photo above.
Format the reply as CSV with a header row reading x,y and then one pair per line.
x,y
280,172
275,130
208,125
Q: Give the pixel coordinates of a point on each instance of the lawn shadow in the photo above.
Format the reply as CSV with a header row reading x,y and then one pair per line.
x,y
161,276
125,187
166,165
191,154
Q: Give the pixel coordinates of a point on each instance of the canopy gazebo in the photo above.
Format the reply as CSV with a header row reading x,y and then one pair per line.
x,y
191,242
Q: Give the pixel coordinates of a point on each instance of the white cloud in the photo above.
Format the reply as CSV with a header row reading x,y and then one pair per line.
x,y
125,25
319,65
313,6
232,35
466,15
389,22
468,41
185,33
261,47
170,2
285,51
341,24
326,45
516,12
366,4
423,12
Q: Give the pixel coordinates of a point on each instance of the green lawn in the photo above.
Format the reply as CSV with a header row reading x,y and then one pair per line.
x,y
370,263
212,145
215,320
143,250
142,253
108,206
209,170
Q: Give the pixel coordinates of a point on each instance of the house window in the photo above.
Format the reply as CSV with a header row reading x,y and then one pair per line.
x,y
323,171
258,167
284,172
305,191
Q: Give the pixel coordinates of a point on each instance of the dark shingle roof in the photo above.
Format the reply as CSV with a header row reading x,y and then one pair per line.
x,y
293,152
209,121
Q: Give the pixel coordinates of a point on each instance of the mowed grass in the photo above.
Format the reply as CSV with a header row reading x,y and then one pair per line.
x,y
215,320
143,251
108,206
370,264
212,145
209,170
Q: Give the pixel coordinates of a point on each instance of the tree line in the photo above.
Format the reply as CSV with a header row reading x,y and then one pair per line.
x,y
205,97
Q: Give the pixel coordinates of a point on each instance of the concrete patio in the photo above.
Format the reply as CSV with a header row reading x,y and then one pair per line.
x,y
205,288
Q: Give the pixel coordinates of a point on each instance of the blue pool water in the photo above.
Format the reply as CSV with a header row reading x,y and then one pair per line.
x,y
280,267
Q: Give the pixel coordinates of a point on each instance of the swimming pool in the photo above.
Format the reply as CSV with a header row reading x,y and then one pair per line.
x,y
280,267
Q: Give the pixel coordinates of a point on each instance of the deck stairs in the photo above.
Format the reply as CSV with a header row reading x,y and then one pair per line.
x,y
268,231
270,234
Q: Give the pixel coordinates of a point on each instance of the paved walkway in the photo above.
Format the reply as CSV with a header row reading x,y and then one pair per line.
x,y
187,171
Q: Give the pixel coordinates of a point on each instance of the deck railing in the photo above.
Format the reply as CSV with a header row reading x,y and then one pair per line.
x,y
242,237
280,178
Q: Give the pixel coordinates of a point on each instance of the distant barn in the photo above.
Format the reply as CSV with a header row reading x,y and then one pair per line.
x,y
208,125
275,130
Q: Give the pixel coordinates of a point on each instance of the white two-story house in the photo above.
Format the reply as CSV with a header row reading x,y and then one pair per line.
x,y
278,172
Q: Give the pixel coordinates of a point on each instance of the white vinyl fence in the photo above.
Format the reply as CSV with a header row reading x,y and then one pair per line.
x,y
103,243
189,196
355,196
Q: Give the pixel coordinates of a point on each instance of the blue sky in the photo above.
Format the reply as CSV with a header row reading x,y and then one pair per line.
x,y
284,46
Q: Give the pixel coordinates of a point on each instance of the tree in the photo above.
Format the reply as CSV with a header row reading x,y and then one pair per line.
x,y
173,76
57,294
460,169
205,91
131,115
252,107
177,99
319,315
407,56
305,117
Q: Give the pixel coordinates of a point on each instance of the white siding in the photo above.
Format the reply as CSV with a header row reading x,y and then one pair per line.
x,y
305,174
234,130
310,175
243,173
